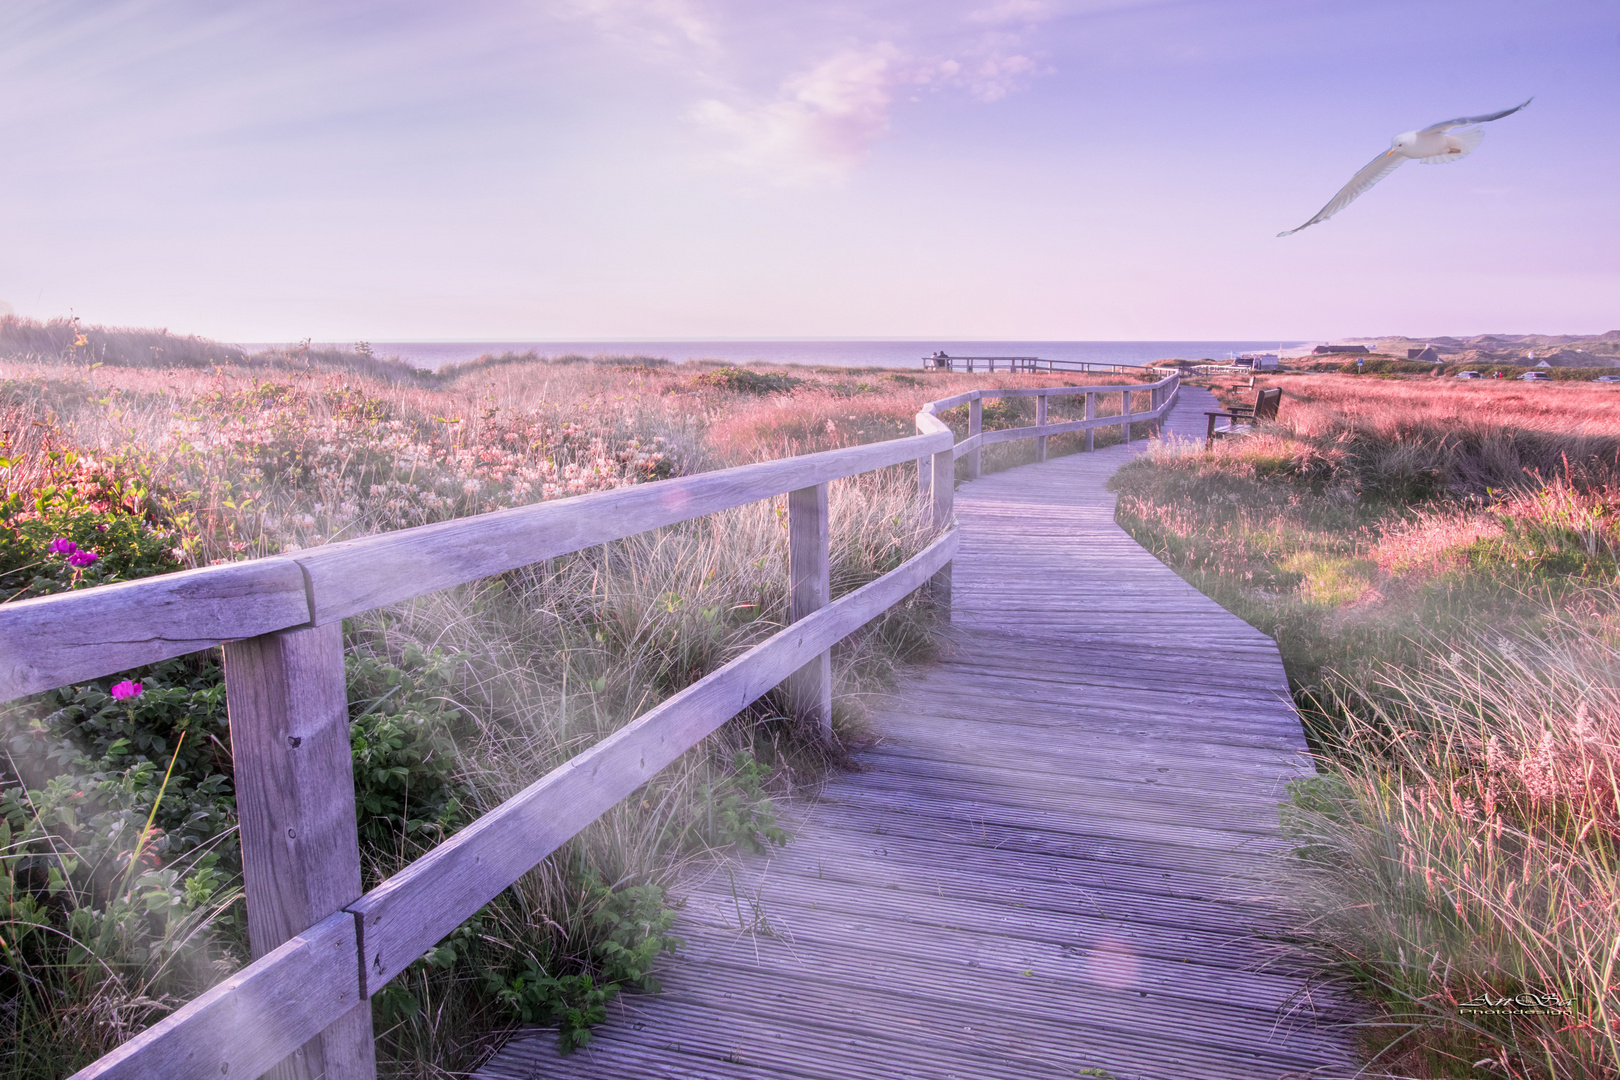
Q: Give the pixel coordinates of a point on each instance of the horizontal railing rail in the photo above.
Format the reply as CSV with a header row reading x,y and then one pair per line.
x,y
1027,365
1162,397
1226,369
52,641
320,947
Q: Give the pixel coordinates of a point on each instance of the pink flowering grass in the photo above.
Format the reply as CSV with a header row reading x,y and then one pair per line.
x,y
1462,841
835,409
239,460
1439,568
1442,435
240,465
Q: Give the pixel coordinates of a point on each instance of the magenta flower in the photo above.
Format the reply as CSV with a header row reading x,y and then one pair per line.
x,y
123,691
63,546
82,558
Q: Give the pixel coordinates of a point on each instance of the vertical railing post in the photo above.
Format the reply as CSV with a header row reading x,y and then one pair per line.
x,y
288,708
939,586
810,588
1125,411
1091,414
925,465
1040,421
975,425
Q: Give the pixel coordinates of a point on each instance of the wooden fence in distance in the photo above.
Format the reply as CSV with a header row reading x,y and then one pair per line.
x,y
320,947
1029,364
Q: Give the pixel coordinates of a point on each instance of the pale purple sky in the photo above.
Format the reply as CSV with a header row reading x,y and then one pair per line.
x,y
617,169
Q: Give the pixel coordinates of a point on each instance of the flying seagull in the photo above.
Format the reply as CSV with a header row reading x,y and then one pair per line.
x,y
1432,146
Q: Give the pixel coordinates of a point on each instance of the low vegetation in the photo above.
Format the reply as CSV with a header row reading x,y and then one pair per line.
x,y
1380,365
131,453
1438,563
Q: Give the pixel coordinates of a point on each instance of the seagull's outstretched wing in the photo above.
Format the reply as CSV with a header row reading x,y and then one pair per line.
x,y
1464,121
1374,171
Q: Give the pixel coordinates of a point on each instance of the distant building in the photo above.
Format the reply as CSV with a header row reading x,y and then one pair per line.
x,y
1428,354
1329,350
1262,361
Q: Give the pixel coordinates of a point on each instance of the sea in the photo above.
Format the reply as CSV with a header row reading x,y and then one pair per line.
x,y
899,354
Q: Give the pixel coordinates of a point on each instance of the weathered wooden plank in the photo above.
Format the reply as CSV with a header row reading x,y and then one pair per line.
x,y
967,446
912,1032
1082,750
294,781
52,641
943,485
839,851
412,910
973,832
809,589
246,1024
895,877
946,404
1086,779
887,988
974,439
1060,391
358,575
924,963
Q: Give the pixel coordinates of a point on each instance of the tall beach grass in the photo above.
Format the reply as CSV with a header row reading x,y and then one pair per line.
x,y
196,453
1440,565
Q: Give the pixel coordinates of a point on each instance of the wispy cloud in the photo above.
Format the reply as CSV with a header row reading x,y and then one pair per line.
x,y
664,27
801,99
819,126
821,122
992,72
1008,11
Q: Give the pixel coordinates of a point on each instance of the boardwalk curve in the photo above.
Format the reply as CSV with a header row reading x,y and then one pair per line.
x,y
1052,862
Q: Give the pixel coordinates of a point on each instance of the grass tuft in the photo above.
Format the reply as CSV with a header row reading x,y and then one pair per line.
x,y
1440,566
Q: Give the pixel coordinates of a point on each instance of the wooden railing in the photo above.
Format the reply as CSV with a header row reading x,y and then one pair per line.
x,y
1029,364
321,948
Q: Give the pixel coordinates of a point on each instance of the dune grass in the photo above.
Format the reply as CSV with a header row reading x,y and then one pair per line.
x,y
156,452
1440,565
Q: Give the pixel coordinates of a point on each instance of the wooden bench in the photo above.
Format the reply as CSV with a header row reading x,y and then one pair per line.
x,y
1265,407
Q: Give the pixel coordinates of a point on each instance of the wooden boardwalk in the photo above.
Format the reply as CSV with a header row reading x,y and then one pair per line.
x,y
1054,861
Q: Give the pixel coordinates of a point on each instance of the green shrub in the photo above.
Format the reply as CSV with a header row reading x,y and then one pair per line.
x,y
535,971
742,381
631,930
402,732
86,509
733,811
99,764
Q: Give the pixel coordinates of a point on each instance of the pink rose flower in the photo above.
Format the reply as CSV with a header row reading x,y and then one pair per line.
x,y
63,546
125,690
82,558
